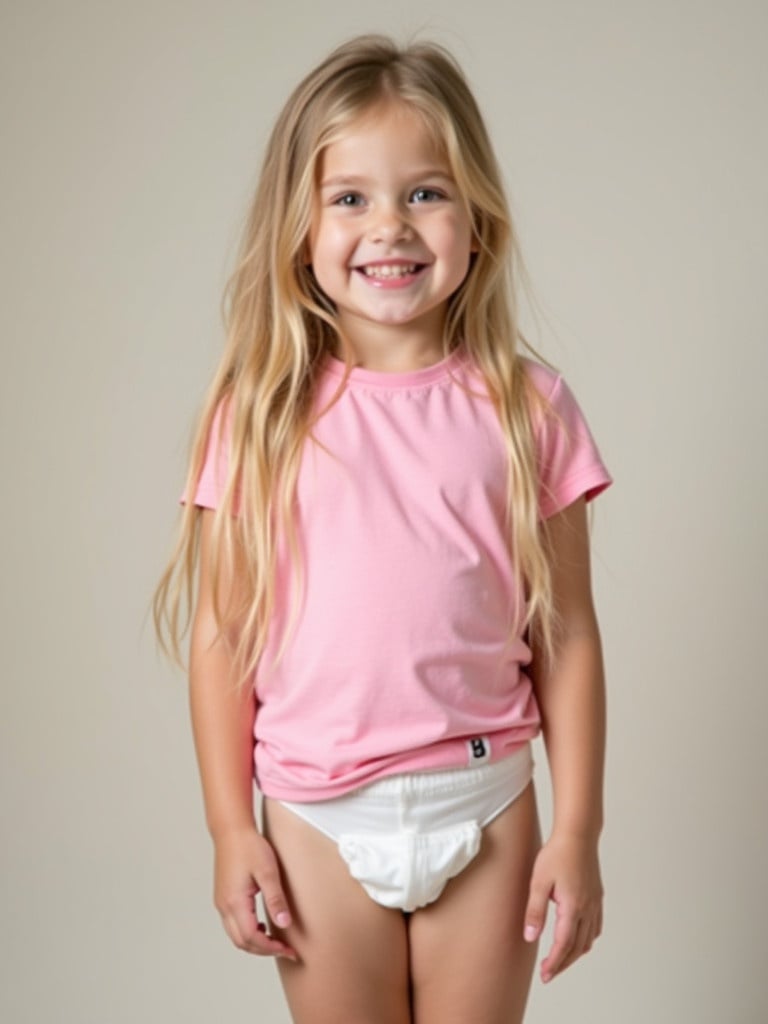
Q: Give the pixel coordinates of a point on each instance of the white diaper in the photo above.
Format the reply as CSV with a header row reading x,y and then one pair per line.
x,y
403,837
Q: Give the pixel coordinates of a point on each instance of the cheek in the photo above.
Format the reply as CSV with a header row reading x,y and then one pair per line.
x,y
451,227
330,242
455,240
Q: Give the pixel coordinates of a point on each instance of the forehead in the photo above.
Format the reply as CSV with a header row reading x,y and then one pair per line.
x,y
391,132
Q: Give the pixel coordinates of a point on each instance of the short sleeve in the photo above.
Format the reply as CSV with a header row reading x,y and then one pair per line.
x,y
213,475
569,462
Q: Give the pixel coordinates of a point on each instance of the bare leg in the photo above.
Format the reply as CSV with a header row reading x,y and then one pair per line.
x,y
353,952
469,961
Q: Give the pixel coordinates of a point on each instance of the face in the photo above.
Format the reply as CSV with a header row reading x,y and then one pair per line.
x,y
391,237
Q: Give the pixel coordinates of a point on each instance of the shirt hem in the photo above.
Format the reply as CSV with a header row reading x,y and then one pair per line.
x,y
453,755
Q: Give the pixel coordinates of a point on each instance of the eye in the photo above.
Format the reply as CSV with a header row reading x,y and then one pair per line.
x,y
426,195
350,199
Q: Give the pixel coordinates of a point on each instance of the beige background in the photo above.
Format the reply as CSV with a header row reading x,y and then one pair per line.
x,y
634,135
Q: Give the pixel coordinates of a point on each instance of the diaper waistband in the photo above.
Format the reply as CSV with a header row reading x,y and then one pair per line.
x,y
449,780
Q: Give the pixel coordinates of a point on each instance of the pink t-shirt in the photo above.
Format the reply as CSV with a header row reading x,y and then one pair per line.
x,y
397,662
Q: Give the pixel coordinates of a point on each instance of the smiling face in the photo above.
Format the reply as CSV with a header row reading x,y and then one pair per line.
x,y
391,236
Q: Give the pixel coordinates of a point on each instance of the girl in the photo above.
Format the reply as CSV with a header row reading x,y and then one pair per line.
x,y
387,517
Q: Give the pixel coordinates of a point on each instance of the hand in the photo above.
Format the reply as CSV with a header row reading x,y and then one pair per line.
x,y
245,864
567,872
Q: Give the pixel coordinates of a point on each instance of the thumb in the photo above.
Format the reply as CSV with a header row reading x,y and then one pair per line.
x,y
275,902
536,911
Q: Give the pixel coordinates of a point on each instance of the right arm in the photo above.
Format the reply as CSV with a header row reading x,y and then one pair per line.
x,y
222,724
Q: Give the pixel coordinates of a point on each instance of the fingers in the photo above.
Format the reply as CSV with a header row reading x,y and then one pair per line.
x,y
275,903
574,935
249,934
566,872
536,911
566,928
246,866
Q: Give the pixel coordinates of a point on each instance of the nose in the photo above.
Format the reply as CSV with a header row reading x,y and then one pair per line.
x,y
389,224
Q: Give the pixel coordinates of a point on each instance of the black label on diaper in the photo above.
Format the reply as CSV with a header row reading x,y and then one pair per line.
x,y
479,750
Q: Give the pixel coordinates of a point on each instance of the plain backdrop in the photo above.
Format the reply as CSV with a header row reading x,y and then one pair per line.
x,y
634,139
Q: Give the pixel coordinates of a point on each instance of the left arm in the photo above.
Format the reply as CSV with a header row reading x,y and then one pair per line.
x,y
571,696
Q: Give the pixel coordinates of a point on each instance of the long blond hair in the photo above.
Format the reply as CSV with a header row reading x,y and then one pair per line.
x,y
279,325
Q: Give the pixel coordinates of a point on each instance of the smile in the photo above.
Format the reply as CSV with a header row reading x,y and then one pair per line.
x,y
388,271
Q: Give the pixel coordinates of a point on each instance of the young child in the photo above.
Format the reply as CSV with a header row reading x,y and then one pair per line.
x,y
386,522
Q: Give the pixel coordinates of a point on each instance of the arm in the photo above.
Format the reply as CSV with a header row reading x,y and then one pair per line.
x,y
222,724
571,696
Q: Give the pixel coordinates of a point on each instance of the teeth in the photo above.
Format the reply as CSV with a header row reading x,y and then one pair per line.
x,y
390,270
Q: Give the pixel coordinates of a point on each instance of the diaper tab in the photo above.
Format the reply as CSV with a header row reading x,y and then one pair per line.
x,y
408,870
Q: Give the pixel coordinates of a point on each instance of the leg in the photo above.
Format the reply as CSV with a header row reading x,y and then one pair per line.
x,y
353,953
469,961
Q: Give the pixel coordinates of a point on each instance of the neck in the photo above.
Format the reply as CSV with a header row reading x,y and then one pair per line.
x,y
393,349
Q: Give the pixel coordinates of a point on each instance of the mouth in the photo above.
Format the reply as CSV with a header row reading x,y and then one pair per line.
x,y
390,271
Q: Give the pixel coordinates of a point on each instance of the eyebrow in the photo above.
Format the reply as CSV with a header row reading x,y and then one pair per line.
x,y
355,179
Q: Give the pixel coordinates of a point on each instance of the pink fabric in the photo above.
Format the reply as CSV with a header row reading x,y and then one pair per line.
x,y
398,657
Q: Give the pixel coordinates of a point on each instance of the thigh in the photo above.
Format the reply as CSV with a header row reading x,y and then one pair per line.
x,y
353,953
469,961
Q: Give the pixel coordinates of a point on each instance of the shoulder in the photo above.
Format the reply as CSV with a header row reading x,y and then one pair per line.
x,y
569,462
542,381
553,403
545,381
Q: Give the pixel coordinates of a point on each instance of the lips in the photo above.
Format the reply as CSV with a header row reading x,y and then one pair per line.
x,y
390,271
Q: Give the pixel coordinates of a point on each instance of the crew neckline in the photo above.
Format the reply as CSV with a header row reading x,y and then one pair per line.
x,y
396,380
